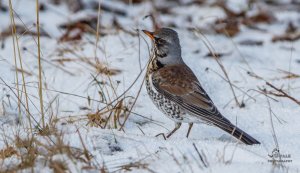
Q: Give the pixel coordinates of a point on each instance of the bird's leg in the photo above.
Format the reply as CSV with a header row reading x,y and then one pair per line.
x,y
190,128
177,126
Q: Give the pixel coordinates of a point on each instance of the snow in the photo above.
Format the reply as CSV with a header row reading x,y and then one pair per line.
x,y
112,148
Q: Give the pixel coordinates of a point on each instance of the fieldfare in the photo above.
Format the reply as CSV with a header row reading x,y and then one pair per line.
x,y
176,91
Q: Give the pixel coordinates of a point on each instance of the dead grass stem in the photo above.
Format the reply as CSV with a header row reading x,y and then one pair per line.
x,y
212,51
16,41
40,64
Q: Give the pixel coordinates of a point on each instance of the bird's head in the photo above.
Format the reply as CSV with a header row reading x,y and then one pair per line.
x,y
166,45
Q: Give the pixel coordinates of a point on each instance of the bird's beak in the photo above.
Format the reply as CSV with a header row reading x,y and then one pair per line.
x,y
150,34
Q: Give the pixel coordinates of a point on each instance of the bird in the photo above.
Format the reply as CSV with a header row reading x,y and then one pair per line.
x,y
176,91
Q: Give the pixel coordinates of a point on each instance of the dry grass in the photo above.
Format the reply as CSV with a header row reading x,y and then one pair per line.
x,y
40,64
32,150
8,152
58,166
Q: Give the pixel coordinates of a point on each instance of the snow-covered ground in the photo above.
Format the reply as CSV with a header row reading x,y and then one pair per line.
x,y
74,87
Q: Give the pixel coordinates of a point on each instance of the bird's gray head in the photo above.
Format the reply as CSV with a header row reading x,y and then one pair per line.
x,y
166,46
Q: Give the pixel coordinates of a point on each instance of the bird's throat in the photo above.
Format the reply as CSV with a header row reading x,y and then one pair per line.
x,y
154,65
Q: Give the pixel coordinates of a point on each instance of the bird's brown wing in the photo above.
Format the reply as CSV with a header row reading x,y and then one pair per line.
x,y
180,85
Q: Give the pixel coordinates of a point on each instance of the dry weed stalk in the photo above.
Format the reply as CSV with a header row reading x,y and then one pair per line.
x,y
58,166
8,152
210,48
202,158
15,59
40,64
16,43
31,150
117,106
281,93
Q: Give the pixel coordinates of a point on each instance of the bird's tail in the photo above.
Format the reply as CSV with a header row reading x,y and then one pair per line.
x,y
240,134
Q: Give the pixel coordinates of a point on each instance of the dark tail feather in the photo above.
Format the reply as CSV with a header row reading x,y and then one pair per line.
x,y
240,134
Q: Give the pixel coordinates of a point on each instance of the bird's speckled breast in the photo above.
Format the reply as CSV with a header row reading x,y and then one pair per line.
x,y
169,108
172,110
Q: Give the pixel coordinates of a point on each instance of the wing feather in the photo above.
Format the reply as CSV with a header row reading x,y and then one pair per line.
x,y
180,85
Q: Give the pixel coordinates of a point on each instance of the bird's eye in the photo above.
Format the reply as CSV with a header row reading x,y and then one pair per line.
x,y
159,40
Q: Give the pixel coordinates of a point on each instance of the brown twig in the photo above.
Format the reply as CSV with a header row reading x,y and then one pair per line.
x,y
282,93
